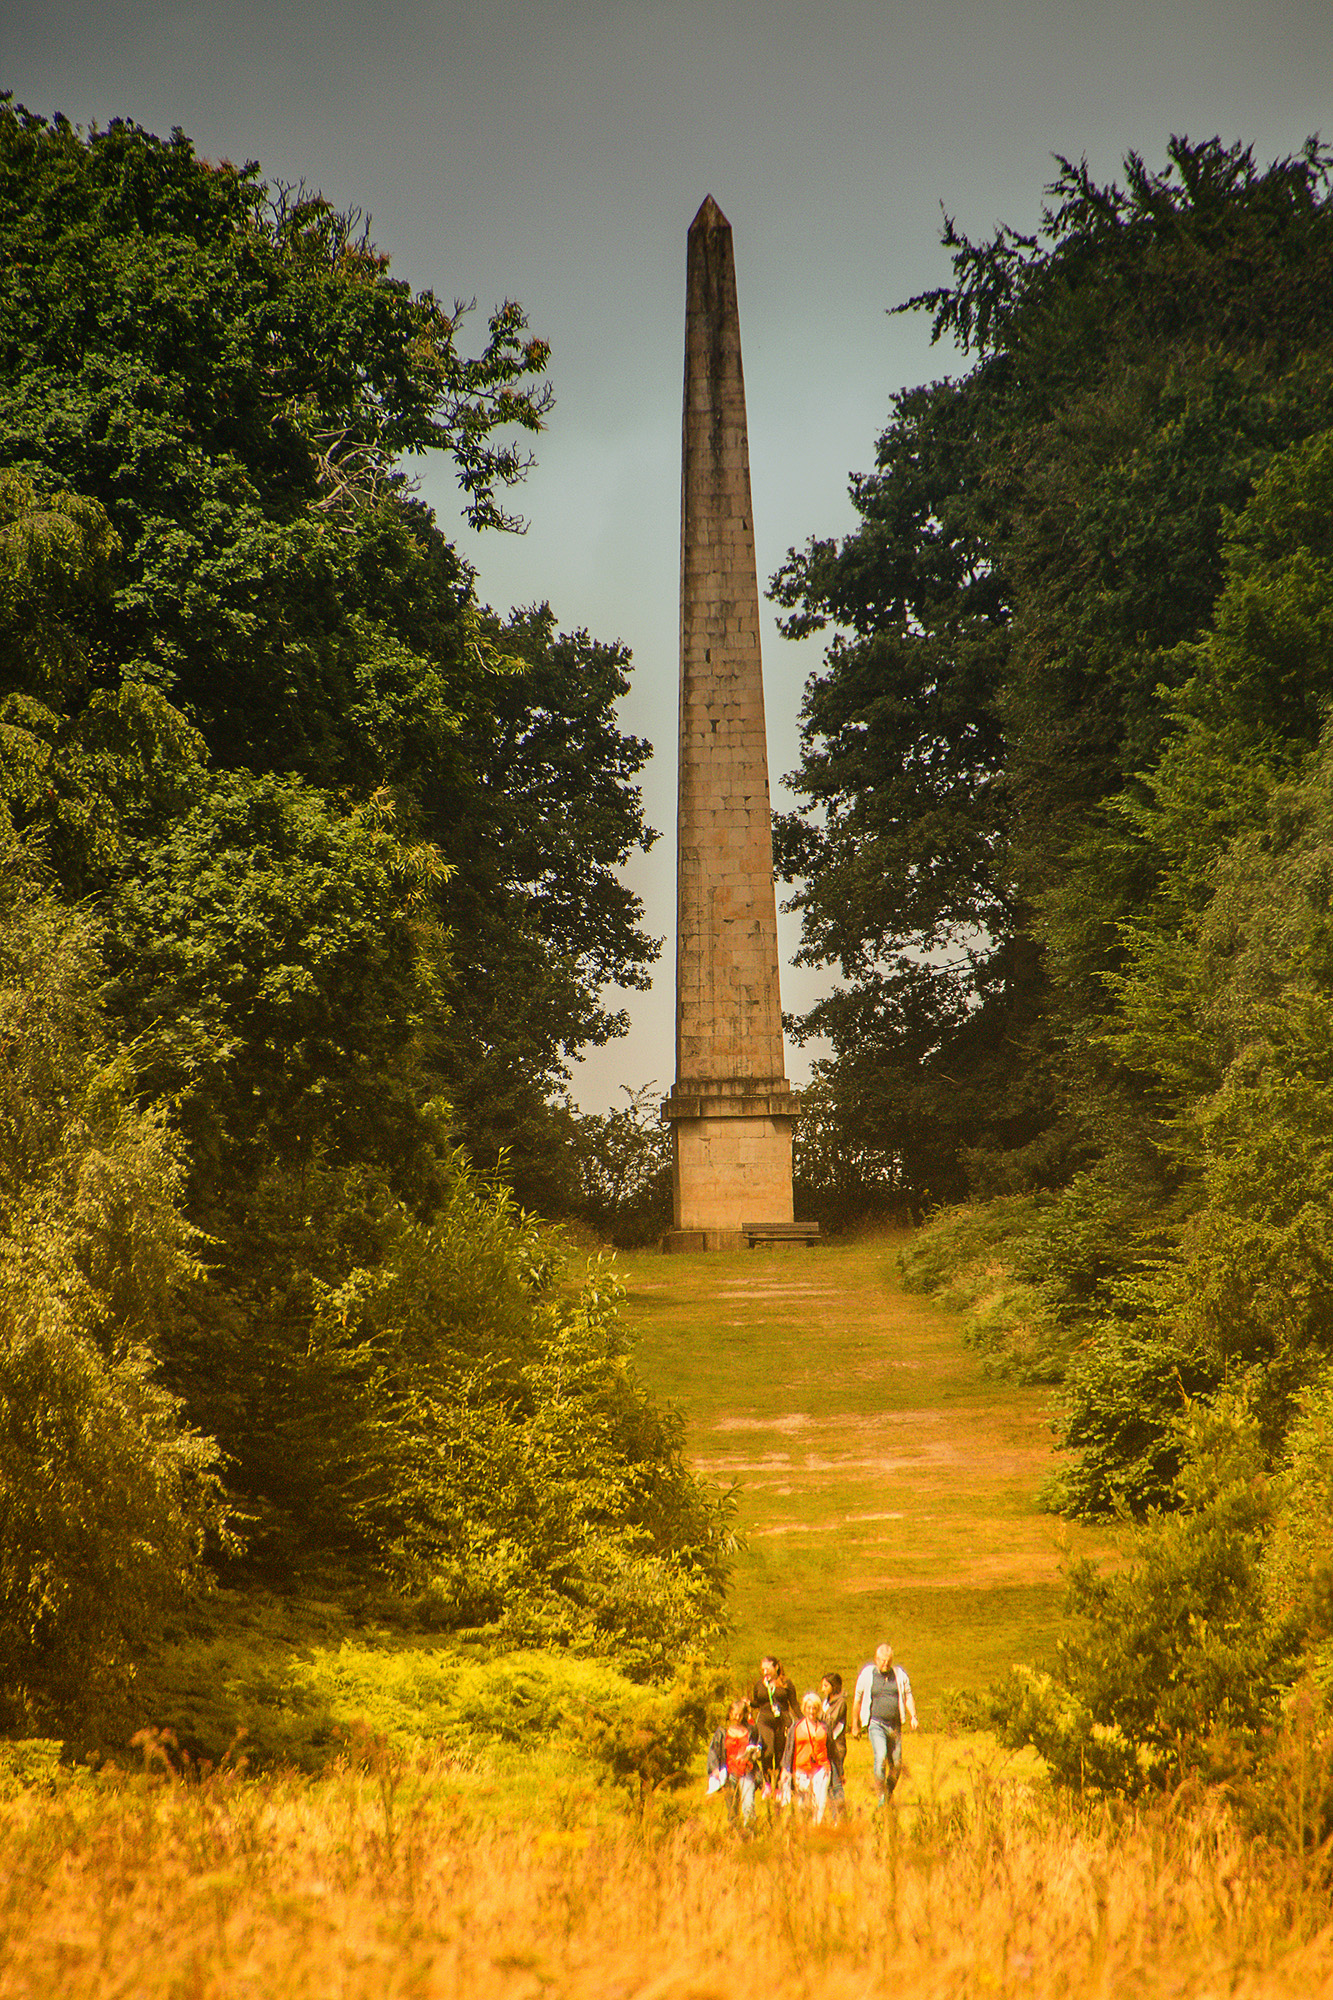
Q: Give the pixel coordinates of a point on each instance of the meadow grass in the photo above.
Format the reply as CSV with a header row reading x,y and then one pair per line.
x,y
382,1879
887,1488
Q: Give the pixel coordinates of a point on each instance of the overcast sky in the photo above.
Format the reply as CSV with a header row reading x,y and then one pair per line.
x,y
556,153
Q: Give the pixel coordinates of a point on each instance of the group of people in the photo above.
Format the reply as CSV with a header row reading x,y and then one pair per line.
x,y
776,1744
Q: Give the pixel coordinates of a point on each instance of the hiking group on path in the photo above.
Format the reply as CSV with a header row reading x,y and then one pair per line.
x,y
771,1745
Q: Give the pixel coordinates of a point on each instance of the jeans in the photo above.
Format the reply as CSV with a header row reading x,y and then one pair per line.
x,y
740,1797
811,1790
887,1745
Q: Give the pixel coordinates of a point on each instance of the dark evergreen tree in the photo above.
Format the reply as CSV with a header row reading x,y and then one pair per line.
x,y
1037,540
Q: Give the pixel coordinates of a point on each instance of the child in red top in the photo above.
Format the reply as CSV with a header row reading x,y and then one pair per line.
x,y
734,1757
807,1761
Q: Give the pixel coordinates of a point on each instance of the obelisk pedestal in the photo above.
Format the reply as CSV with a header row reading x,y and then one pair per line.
x,y
732,1109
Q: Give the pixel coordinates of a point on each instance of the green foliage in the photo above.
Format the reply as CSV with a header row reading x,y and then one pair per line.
x,y
354,845
229,379
1175,1649
1041,545
281,963
1297,1567
1025,1272
836,1181
1185,1660
1193,1251
1215,1030
992,1263
424,1393
492,1446
1036,1708
537,828
35,1766
106,1495
286,1681
1169,1652
83,763
653,1747
105,1502
623,1159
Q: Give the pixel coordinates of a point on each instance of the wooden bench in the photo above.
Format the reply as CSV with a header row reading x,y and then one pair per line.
x,y
780,1232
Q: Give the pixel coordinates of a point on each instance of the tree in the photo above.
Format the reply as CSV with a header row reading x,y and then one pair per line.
x,y
1173,1664
1216,1027
353,844
1203,1654
1037,542
623,1162
107,1495
540,822
227,378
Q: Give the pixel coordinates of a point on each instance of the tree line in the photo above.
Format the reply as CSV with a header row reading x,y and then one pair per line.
x,y
311,888
1064,834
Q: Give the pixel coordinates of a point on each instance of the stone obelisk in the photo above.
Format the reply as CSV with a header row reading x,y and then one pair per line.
x,y
732,1109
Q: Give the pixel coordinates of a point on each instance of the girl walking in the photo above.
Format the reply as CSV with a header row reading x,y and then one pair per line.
x,y
835,1716
734,1758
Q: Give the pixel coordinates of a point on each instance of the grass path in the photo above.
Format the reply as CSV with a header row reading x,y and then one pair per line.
x,y
889,1489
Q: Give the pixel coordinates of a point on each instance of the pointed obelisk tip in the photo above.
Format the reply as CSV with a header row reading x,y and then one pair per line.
x,y
710,216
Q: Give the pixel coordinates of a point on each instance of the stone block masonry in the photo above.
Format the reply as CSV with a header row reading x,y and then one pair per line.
x,y
732,1109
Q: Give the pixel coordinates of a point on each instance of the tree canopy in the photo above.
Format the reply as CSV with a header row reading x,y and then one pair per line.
x,y
346,846
1066,835
1038,539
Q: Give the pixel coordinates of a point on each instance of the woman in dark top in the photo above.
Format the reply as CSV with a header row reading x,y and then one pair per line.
x,y
835,1715
774,1706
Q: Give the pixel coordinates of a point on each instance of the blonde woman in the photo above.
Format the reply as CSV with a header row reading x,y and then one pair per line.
x,y
807,1761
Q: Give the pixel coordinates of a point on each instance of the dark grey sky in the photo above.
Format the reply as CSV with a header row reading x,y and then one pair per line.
x,y
556,154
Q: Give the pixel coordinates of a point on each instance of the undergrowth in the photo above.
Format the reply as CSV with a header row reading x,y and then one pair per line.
x,y
984,1262
285,1681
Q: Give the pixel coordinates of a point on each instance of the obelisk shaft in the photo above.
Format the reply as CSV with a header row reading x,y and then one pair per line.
x,y
728,1015
731,1107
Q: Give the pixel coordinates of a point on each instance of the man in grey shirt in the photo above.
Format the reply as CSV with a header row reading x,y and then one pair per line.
x,y
882,1705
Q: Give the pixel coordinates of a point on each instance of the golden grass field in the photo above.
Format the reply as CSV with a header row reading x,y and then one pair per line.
x,y
383,1886
889,1490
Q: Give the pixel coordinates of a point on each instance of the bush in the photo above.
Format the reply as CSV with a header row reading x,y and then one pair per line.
x,y
623,1159
983,1261
839,1180
1178,1660
456,1415
651,1747
106,1496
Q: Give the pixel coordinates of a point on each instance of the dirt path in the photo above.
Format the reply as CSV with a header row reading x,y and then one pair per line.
x,y
888,1488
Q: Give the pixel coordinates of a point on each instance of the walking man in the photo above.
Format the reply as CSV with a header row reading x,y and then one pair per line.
x,y
882,1705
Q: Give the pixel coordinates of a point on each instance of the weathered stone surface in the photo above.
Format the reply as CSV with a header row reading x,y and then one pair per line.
x,y
732,1108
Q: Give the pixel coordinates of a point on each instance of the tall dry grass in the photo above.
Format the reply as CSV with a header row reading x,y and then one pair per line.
x,y
383,1880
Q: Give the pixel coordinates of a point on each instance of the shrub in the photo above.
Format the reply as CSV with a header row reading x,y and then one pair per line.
x,y
106,1496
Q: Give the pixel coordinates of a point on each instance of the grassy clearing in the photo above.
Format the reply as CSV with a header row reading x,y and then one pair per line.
x,y
383,1880
889,1488
448,1836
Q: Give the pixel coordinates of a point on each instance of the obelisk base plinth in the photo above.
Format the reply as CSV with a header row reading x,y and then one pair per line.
x,y
731,1160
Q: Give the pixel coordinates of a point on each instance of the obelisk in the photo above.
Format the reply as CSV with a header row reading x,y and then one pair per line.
x,y
732,1109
